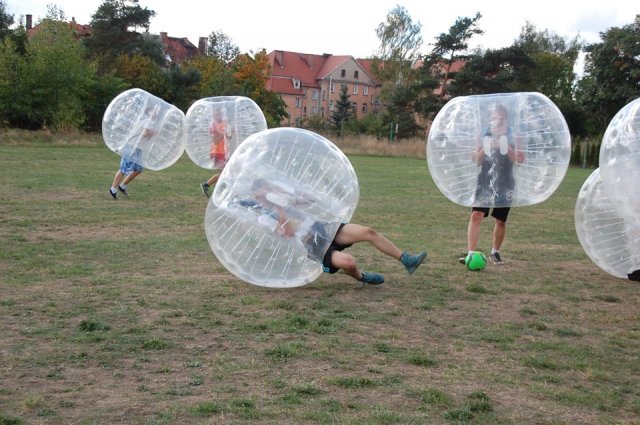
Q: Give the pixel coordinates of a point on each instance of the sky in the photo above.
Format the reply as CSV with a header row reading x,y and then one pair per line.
x,y
348,27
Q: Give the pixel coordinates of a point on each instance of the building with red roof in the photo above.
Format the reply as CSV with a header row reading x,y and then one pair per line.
x,y
310,84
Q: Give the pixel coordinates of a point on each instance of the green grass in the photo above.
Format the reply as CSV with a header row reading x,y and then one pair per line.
x,y
119,312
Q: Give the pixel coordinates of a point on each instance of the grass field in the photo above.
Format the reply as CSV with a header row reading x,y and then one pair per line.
x,y
118,312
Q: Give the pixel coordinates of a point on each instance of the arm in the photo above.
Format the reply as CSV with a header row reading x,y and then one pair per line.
x,y
515,153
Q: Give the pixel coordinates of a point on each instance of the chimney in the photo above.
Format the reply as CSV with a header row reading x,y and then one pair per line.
x,y
29,21
202,45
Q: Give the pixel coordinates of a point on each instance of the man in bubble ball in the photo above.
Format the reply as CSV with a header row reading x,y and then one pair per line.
x,y
218,154
496,153
129,163
274,214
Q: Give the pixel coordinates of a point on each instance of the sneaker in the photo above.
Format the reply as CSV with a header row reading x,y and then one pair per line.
x,y
123,190
411,262
114,195
205,188
495,258
463,259
372,278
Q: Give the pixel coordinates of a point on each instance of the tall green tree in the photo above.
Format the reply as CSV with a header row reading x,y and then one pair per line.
x,y
611,75
555,58
449,46
342,111
114,32
221,46
6,20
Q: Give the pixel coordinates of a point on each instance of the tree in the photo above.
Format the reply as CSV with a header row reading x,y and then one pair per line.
x,y
343,110
494,71
113,32
448,45
50,82
611,75
555,58
222,47
251,75
6,21
400,41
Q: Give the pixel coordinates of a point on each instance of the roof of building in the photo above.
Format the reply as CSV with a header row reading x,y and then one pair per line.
x,y
179,49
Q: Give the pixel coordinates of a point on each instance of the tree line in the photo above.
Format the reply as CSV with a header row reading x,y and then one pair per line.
x,y
56,80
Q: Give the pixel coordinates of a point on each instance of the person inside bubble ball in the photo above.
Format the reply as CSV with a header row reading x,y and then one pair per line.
x,y
273,204
496,153
218,130
129,163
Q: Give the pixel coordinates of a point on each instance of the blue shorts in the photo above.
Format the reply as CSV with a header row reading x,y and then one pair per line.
x,y
127,166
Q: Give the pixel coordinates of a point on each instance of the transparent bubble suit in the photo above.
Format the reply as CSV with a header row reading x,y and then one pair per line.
x,y
537,132
144,128
242,117
620,161
609,239
309,177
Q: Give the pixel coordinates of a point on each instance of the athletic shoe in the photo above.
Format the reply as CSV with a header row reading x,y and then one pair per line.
x,y
463,260
205,188
123,190
411,262
372,278
114,195
495,258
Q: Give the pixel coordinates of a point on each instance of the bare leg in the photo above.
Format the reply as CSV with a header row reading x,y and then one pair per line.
x,y
473,230
117,178
213,180
132,175
354,233
347,263
499,231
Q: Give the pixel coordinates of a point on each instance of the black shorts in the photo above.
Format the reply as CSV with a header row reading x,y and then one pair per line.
x,y
327,267
500,213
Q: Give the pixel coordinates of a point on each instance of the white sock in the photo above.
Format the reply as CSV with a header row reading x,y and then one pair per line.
x,y
113,190
123,186
470,252
493,250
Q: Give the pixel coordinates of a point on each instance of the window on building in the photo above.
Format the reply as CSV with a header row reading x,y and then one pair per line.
x,y
314,110
355,89
354,105
333,87
365,90
296,84
331,105
343,73
355,74
314,94
304,111
298,102
364,107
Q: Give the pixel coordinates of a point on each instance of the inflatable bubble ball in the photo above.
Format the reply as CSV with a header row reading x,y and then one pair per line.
x,y
498,150
144,129
215,126
610,240
620,161
277,206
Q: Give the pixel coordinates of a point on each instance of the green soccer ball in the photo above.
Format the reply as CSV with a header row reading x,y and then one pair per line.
x,y
475,261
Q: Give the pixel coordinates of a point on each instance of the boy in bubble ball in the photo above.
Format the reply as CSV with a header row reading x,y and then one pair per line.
x,y
270,203
129,164
496,153
218,130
